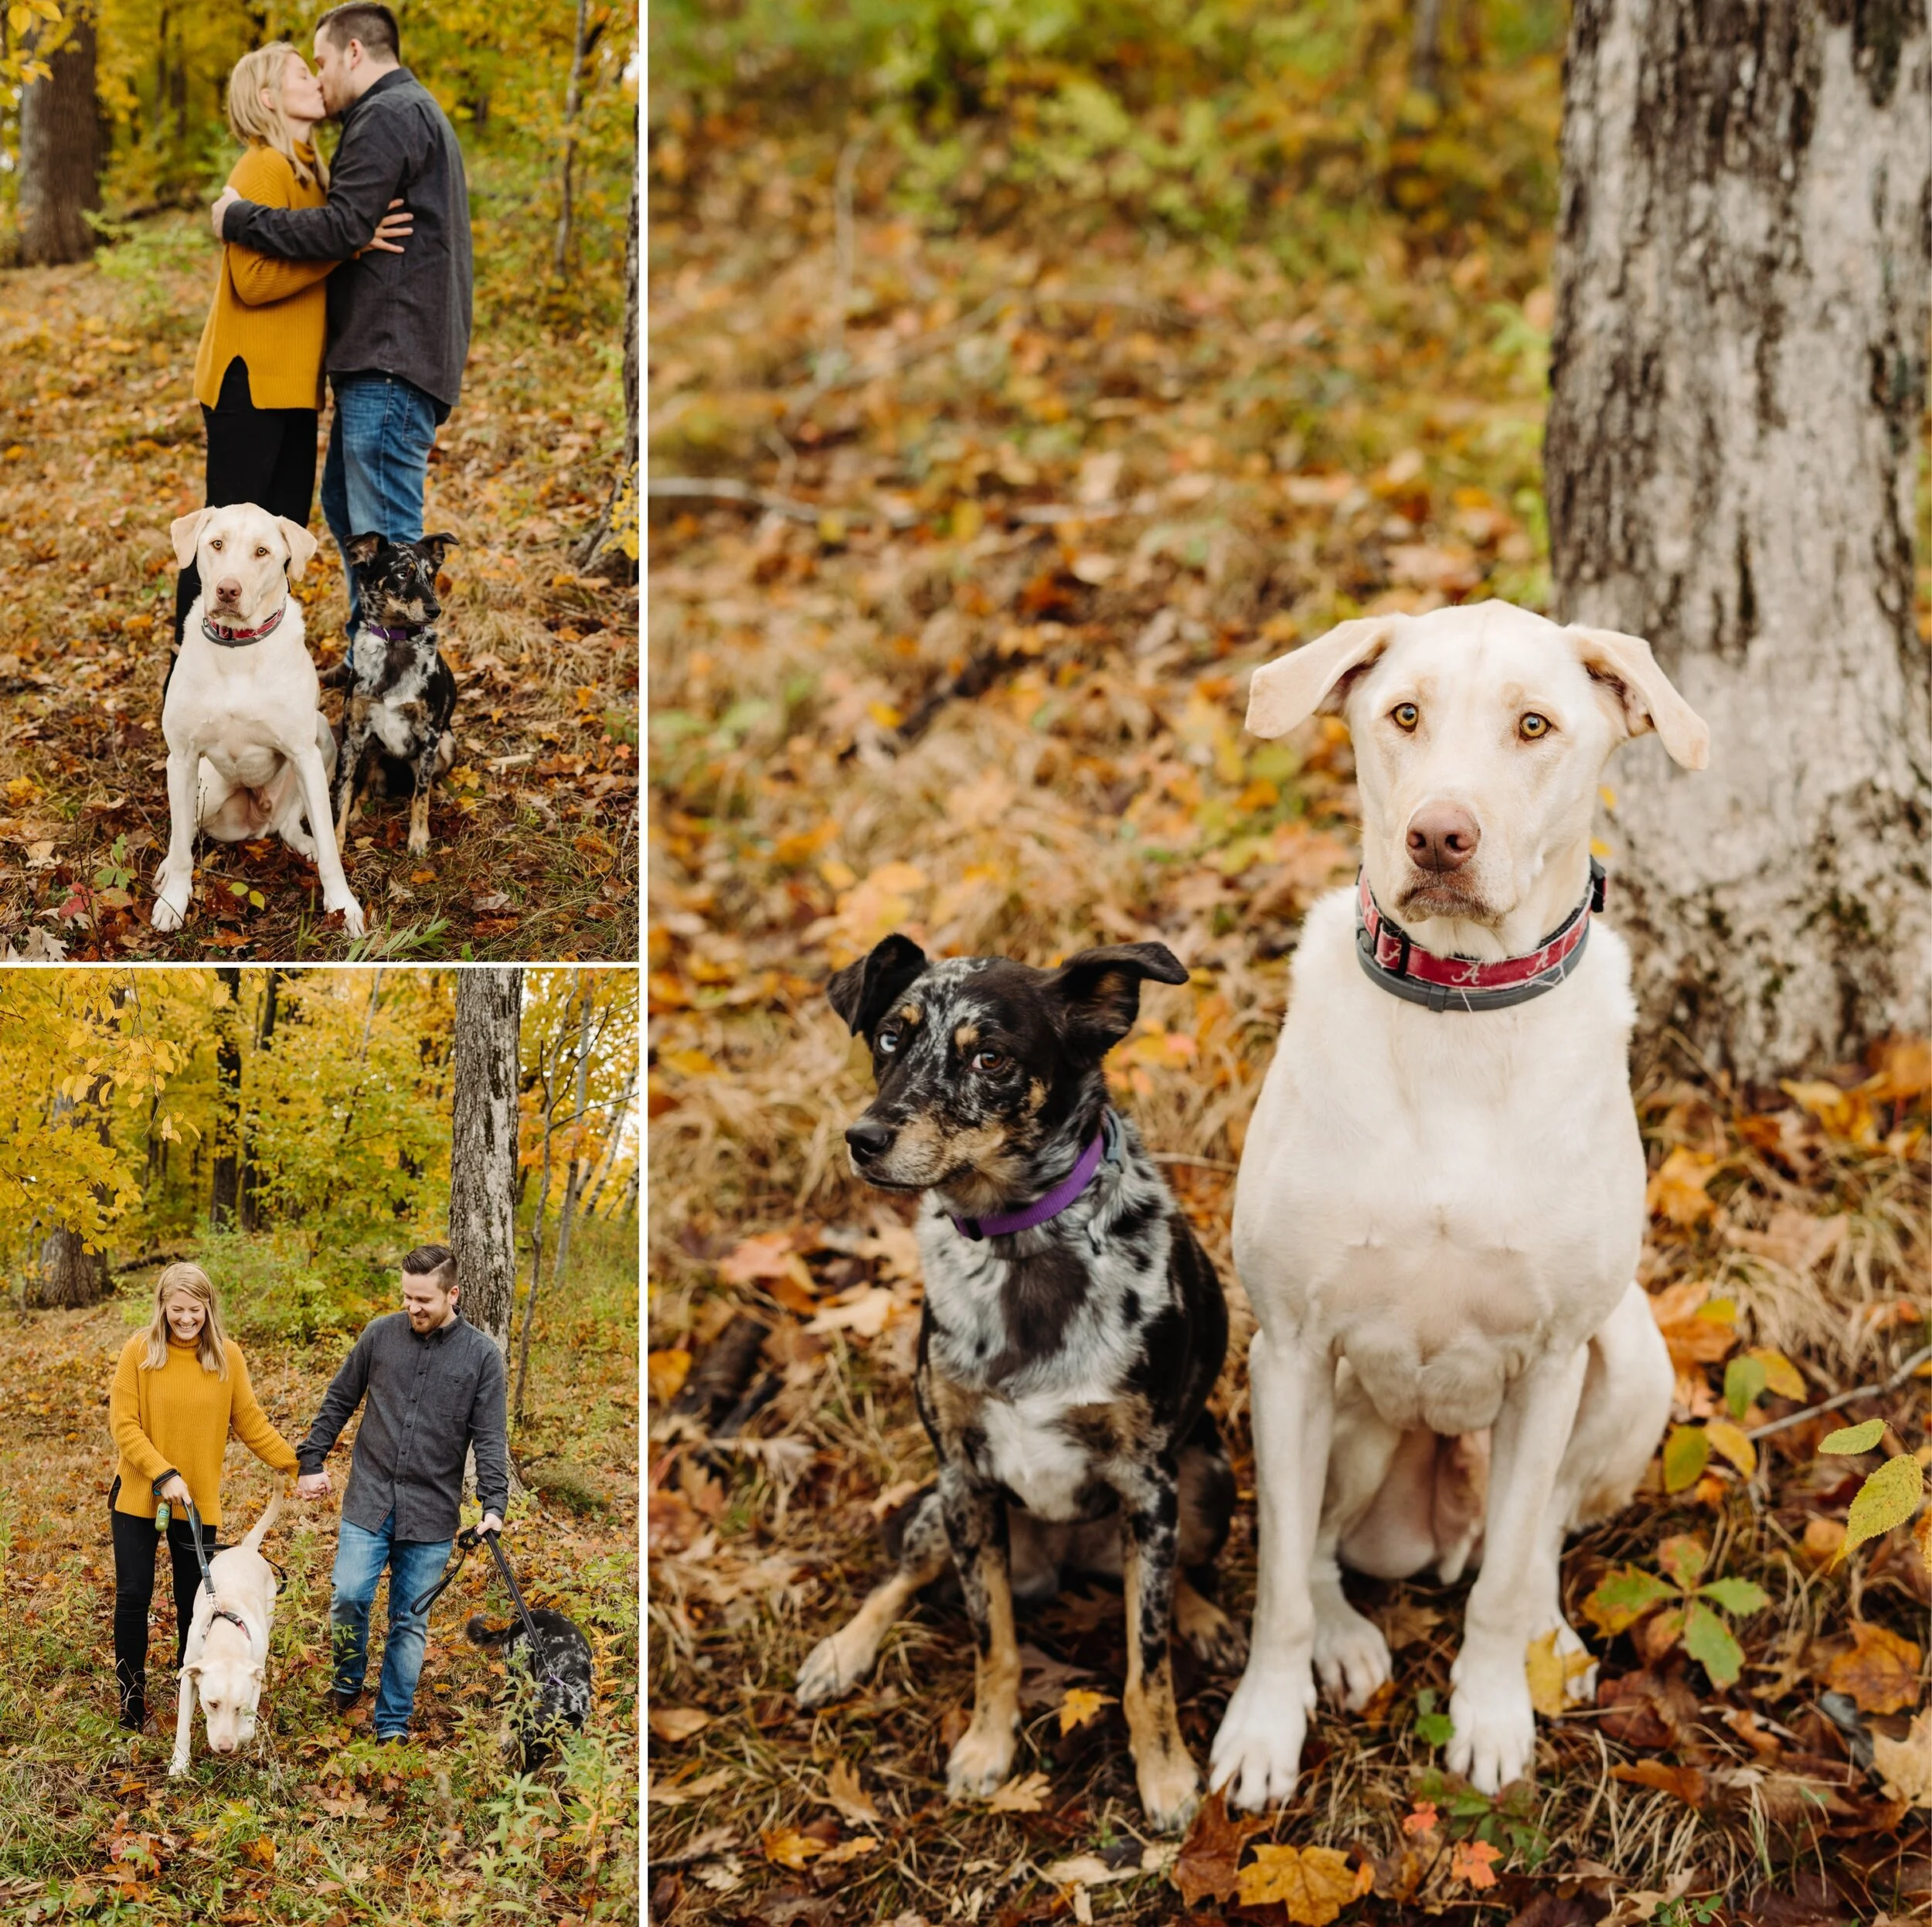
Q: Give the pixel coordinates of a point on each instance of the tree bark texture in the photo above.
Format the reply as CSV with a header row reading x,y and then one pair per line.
x,y
69,1275
225,1198
489,1006
60,152
1738,377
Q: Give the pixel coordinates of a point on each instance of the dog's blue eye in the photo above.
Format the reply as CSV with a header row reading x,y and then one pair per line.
x,y
889,1041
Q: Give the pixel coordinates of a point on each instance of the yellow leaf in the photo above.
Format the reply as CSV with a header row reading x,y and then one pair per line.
x,y
1887,1498
1550,1672
1686,1452
687,1063
884,715
1781,1375
1730,1440
1906,1765
1080,1706
1313,1883
849,1850
1880,1673
1023,1795
666,1370
785,1846
1676,1191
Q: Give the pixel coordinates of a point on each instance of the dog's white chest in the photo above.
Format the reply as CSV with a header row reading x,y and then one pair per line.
x,y
1038,1461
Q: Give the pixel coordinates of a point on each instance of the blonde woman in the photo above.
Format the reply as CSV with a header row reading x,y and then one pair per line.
x,y
180,1389
259,374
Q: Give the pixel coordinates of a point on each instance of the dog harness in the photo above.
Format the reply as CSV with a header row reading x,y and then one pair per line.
x,y
1392,959
1104,1149
240,638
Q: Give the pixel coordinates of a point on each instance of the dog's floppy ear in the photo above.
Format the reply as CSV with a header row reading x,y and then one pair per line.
x,y
186,531
1641,693
1290,689
301,546
435,545
861,991
362,548
1099,991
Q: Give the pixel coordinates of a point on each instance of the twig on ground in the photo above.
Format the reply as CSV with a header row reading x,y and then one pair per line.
x,y
722,489
1897,1379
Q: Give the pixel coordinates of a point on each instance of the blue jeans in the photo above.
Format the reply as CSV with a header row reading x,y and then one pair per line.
x,y
378,456
414,1566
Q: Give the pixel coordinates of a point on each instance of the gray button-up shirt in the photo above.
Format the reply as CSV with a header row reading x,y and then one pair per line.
x,y
406,314
430,1398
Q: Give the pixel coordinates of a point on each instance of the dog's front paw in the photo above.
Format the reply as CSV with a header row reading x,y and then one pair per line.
x,y
829,1671
1170,1789
419,839
177,1766
1494,1740
980,1763
1217,1639
1351,1655
352,912
1257,1752
171,901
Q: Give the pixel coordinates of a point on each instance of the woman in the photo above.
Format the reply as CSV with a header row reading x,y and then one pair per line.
x,y
258,375
180,1389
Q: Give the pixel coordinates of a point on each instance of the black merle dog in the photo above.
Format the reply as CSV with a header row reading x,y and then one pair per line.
x,y
553,1687
400,692
1072,1331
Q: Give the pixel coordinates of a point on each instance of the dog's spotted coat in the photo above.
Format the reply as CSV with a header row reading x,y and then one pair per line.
x,y
1063,1370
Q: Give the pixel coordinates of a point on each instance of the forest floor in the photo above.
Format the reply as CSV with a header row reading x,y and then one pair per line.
x,y
532,832
317,1824
1029,506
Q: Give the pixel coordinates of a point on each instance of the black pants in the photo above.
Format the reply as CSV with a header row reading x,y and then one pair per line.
x,y
134,1549
263,455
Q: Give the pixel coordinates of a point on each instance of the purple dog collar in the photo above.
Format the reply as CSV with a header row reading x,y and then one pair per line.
x,y
1054,1202
392,636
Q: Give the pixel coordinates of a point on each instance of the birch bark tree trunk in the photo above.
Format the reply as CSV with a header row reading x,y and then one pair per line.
x,y
489,1007
68,1275
225,1196
1738,376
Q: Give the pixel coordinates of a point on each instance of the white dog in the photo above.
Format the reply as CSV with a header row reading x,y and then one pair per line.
x,y
249,749
1440,1202
227,1653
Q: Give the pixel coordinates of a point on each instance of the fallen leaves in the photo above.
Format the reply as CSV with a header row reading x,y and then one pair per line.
x,y
1080,1706
1022,1794
1685,1783
1881,1671
1887,1498
1550,1673
1313,1883
1211,1855
844,1793
1905,1765
674,1724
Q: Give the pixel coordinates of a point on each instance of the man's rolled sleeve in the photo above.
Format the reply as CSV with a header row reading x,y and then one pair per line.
x,y
488,1434
339,1402
360,190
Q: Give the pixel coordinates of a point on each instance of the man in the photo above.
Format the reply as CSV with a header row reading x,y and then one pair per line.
x,y
433,1385
398,324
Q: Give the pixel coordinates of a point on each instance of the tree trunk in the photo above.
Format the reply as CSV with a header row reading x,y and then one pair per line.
x,y
1738,377
226,1191
611,550
489,1005
251,1204
580,1165
573,98
608,1162
60,151
69,1274
1425,50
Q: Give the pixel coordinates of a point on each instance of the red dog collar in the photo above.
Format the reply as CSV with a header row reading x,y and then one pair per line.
x,y
237,639
1392,959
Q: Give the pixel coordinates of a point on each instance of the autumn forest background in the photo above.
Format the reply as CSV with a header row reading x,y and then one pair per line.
x,y
113,141
292,1132
1021,378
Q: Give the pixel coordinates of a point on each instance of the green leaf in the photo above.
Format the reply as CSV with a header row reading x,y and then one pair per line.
x,y
1623,1598
1887,1498
1433,1728
1736,1596
1708,1640
1686,1452
1744,1378
1855,1438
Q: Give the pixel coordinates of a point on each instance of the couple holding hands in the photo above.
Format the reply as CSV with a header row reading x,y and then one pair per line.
x,y
431,1387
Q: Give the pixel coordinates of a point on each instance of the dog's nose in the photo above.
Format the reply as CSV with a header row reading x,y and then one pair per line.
x,y
868,1137
228,589
1442,836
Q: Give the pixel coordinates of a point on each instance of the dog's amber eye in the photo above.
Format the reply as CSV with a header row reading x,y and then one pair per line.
x,y
1405,716
260,550
988,1060
214,542
889,1041
1533,726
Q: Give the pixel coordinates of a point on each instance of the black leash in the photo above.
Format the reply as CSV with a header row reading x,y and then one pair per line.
x,y
466,1541
207,1577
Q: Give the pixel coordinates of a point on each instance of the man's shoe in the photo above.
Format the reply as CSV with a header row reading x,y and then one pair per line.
x,y
343,1701
391,1739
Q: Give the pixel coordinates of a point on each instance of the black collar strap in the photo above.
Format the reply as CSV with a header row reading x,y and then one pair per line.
x,y
240,638
233,1618
1391,958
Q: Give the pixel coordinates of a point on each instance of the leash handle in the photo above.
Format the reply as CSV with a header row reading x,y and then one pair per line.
x,y
465,1545
201,1551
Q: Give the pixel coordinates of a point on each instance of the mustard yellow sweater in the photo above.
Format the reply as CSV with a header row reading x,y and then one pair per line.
x,y
179,1419
272,313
